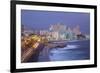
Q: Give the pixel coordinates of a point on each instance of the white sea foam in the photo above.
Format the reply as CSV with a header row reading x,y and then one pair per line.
x,y
68,47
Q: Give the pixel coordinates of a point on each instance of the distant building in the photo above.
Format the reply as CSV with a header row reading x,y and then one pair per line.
x,y
58,31
81,37
69,34
76,30
43,32
28,32
25,31
58,27
87,36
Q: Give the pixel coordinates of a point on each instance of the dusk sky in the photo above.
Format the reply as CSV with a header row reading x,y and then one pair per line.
x,y
43,19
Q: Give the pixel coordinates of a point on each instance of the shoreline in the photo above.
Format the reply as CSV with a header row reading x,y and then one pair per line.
x,y
78,40
62,41
61,44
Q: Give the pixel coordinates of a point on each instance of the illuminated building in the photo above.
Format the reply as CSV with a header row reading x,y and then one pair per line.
x,y
57,27
58,31
76,30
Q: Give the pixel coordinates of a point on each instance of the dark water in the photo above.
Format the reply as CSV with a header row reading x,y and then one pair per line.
x,y
75,50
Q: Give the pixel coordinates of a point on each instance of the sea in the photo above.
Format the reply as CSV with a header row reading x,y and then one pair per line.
x,y
74,50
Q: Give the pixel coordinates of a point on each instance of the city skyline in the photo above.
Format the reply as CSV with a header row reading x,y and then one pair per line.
x,y
42,20
57,32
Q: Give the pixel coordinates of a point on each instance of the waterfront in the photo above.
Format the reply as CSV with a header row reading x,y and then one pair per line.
x,y
75,50
54,36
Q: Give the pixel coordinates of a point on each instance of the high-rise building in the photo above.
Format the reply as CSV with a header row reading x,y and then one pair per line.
x,y
58,27
76,30
58,31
